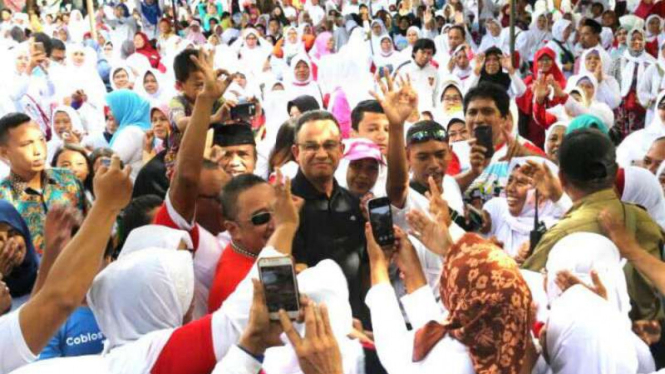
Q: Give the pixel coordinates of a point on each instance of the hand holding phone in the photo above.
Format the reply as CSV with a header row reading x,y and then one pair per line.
x,y
243,111
381,220
281,286
483,135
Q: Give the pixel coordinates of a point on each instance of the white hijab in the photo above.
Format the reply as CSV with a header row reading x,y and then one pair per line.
x,y
158,236
164,93
131,78
296,88
582,252
637,144
598,109
585,334
140,293
643,188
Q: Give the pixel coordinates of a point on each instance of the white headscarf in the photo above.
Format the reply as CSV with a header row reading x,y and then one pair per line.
x,y
558,29
130,74
296,88
585,334
637,144
155,236
582,252
163,94
643,188
56,141
490,40
598,109
604,60
292,49
140,293
640,62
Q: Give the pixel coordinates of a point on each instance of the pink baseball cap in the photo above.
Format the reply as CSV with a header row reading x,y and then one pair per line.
x,y
358,149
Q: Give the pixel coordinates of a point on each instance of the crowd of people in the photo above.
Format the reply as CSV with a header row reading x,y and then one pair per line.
x,y
153,153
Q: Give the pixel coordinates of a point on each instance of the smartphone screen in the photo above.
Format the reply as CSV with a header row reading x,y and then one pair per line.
x,y
483,135
280,287
243,111
381,219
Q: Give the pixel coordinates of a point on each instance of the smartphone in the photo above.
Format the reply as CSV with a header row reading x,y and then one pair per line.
x,y
381,219
382,70
243,111
106,161
280,285
483,135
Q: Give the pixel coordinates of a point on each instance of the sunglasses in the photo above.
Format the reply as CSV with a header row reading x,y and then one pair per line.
x,y
426,135
260,218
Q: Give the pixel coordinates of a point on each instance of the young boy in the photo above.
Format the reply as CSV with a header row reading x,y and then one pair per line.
x,y
189,81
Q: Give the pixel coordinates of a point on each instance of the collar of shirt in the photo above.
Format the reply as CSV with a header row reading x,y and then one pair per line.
x,y
302,187
594,198
19,185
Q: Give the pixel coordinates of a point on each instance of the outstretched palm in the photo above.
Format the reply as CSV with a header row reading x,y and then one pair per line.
x,y
398,103
213,86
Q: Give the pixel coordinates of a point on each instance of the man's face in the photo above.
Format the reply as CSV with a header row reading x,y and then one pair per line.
x,y
58,55
361,175
423,57
483,112
318,150
588,38
273,26
654,156
429,159
238,159
25,149
193,85
455,38
248,229
209,212
374,126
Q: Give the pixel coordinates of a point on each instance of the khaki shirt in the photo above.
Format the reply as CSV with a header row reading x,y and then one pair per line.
x,y
583,217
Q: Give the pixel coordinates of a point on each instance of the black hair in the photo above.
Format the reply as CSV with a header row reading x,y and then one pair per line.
x,y
183,65
135,215
491,91
595,27
9,122
281,152
587,160
426,125
423,43
313,115
17,34
100,152
460,28
45,40
304,103
87,183
233,189
365,106
58,44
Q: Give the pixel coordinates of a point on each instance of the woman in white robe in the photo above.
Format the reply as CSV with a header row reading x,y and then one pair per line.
x,y
561,45
641,187
493,36
636,145
65,123
386,56
537,36
154,86
653,83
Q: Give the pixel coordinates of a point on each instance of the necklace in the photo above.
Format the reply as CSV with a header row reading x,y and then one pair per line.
x,y
236,248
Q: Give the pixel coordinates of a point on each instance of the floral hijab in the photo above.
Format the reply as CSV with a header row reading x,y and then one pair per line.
x,y
489,304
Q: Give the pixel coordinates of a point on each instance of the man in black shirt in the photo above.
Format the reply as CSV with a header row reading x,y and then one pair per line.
x,y
331,223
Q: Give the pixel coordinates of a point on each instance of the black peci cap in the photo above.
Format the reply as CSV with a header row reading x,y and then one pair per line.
x,y
587,155
235,134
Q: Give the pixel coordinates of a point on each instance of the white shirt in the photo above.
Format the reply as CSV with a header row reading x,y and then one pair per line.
x,y
424,81
14,351
128,145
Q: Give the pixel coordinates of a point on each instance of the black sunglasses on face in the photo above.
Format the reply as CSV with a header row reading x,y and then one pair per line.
x,y
260,218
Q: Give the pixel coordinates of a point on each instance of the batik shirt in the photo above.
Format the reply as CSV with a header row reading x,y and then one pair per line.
x,y
60,187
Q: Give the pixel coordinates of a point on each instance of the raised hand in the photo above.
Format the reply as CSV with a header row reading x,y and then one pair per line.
x,y
113,186
543,179
556,87
438,206
148,141
377,258
286,206
5,297
565,279
433,235
616,230
480,61
648,331
318,352
540,89
58,227
260,333
215,81
477,158
8,254
598,73
507,64
398,104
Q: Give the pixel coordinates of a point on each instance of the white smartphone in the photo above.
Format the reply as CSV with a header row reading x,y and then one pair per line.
x,y
280,285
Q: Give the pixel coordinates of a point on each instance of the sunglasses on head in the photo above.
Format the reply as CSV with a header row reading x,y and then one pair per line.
x,y
426,135
260,218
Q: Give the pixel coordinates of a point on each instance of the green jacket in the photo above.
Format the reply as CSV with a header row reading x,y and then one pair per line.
x,y
583,216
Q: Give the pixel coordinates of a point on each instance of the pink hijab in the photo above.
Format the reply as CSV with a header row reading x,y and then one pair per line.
x,y
321,45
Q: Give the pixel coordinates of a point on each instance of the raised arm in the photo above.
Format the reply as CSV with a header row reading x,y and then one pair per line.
x,y
185,186
73,271
398,105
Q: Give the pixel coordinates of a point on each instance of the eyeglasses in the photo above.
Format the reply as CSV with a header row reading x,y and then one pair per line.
x,y
312,147
261,218
661,105
426,135
452,98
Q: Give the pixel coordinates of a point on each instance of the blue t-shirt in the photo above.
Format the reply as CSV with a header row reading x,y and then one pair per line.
x,y
78,336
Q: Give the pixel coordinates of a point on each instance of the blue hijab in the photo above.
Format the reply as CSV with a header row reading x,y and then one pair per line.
x,y
22,277
151,12
129,109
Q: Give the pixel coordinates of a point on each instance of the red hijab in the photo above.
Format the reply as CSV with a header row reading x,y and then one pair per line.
x,y
525,102
149,51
